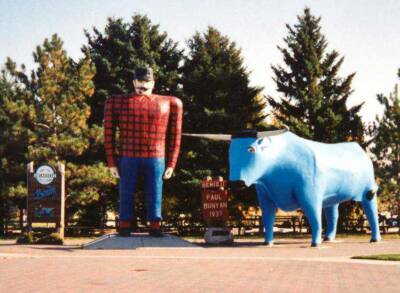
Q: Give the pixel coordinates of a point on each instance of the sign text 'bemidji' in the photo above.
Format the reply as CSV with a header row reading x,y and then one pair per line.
x,y
215,199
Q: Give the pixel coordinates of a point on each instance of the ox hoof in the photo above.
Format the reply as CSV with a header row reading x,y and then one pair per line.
x,y
375,240
315,244
327,239
269,243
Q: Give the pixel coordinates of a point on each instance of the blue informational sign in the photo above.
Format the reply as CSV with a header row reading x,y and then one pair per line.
x,y
48,191
44,213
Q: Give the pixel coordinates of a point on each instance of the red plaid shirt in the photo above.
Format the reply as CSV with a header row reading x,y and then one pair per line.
x,y
144,125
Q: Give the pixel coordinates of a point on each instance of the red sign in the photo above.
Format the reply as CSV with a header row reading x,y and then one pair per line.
x,y
215,199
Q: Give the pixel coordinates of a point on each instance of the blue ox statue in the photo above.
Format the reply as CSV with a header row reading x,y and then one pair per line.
x,y
290,172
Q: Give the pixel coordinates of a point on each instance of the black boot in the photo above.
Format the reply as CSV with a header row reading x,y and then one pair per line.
x,y
124,232
156,233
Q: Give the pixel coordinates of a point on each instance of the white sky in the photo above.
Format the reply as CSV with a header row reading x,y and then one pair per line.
x,y
367,33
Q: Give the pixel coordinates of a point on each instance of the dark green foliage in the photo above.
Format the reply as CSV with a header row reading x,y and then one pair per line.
x,y
313,100
122,47
92,193
26,238
385,144
16,116
38,238
58,90
53,238
217,99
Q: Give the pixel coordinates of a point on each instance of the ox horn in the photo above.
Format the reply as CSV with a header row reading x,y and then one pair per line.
x,y
225,137
273,132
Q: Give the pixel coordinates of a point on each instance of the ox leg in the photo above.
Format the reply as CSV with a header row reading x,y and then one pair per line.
x,y
313,212
268,209
331,215
371,211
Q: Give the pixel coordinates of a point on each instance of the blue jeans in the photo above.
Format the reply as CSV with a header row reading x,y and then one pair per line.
x,y
129,171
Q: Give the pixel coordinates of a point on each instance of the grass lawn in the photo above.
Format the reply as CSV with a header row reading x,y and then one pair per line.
x,y
395,257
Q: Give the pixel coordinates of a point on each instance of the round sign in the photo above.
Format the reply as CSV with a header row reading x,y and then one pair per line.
x,y
45,174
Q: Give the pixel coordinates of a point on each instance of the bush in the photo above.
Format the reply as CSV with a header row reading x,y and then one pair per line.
x,y
53,238
31,238
26,238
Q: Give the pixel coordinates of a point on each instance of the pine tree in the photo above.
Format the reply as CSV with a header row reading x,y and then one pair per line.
x,y
122,47
314,97
15,117
217,99
62,87
216,86
57,92
386,148
91,194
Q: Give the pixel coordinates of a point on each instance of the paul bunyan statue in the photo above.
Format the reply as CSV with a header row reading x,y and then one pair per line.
x,y
149,141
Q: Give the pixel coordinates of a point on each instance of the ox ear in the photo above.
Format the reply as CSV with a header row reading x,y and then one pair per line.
x,y
223,137
272,132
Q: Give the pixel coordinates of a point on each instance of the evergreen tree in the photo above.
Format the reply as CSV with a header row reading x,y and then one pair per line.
x,y
386,148
57,92
314,97
62,87
91,195
216,86
122,47
217,99
15,118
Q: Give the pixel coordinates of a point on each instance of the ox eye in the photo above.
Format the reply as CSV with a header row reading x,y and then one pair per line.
x,y
251,149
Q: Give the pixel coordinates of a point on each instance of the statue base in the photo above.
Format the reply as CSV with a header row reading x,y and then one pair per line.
x,y
138,240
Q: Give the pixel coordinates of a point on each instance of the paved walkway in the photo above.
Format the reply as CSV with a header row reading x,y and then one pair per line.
x,y
289,266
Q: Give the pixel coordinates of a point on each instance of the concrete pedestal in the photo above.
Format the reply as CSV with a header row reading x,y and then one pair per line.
x,y
137,240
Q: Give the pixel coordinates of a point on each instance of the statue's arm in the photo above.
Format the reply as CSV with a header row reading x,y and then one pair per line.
x,y
174,132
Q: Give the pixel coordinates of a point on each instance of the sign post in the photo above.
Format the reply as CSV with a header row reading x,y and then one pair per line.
x,y
215,195
46,195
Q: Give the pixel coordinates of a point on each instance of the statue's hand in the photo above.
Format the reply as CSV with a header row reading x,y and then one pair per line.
x,y
114,172
168,173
